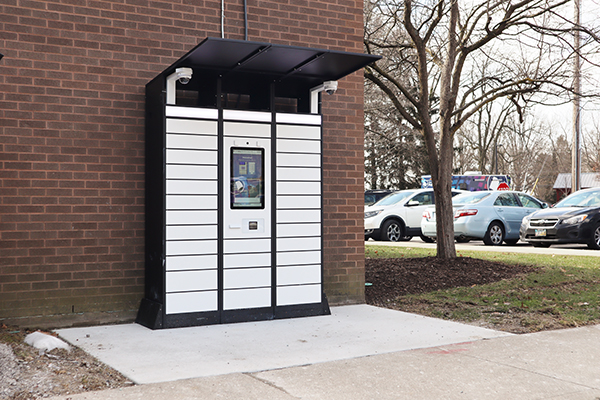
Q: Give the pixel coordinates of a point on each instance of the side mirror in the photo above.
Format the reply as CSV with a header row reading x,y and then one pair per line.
x,y
412,203
544,205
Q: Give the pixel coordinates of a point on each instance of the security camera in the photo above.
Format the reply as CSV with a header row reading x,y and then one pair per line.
x,y
181,75
184,75
330,87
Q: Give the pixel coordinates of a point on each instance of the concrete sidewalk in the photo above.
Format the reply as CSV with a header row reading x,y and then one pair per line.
x,y
414,358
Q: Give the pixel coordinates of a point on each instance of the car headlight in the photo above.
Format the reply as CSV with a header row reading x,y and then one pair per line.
x,y
371,214
574,220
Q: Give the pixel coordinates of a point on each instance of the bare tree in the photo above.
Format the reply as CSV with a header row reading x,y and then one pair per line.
x,y
395,154
591,148
561,157
437,44
482,133
465,157
525,153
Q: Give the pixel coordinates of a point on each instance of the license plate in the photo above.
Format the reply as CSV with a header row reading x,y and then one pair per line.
x,y
540,232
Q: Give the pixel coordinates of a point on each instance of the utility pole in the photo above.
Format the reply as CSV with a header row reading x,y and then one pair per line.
x,y
576,151
496,145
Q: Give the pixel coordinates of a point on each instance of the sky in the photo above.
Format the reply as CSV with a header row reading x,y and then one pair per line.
x,y
561,117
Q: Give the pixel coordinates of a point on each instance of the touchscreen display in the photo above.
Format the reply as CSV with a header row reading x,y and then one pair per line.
x,y
247,183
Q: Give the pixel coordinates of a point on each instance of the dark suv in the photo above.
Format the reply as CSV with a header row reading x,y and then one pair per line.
x,y
373,196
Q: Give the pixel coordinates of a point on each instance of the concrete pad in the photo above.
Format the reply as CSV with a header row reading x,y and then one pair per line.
x,y
147,356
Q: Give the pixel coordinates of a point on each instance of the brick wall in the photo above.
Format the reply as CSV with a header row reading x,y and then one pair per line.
x,y
343,176
72,144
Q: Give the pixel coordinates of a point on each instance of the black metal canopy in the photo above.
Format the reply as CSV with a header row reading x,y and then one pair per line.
x,y
279,62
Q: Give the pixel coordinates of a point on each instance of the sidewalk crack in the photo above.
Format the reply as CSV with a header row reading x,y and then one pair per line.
x,y
271,384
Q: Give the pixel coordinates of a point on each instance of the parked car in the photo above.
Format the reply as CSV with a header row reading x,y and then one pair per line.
x,y
574,219
491,216
372,196
398,216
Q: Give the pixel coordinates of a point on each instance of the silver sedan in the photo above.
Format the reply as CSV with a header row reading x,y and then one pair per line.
x,y
491,216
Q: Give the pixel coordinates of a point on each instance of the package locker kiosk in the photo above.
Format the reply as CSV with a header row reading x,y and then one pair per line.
x,y
234,183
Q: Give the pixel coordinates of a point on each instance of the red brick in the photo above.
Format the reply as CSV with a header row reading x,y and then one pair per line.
x,y
72,143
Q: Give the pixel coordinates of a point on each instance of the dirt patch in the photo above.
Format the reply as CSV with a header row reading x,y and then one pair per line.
x,y
26,373
388,278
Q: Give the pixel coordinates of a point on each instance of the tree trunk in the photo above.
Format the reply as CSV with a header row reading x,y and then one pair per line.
x,y
446,248
442,186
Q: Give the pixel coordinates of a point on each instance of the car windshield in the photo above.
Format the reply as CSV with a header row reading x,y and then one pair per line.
x,y
470,198
394,198
581,199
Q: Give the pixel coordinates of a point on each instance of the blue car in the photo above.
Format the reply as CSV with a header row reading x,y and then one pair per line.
x,y
491,216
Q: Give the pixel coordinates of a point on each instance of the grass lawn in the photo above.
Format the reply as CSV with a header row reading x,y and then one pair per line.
x,y
564,292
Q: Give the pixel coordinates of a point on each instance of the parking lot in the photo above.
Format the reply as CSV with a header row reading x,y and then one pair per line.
x,y
520,247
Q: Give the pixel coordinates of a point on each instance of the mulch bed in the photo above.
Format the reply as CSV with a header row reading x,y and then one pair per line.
x,y
388,278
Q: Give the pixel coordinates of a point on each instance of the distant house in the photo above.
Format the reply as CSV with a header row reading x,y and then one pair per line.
x,y
562,185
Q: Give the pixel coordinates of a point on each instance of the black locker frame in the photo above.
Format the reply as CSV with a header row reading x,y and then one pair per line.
x,y
219,70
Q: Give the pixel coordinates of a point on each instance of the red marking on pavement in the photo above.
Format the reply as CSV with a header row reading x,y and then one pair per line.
x,y
447,351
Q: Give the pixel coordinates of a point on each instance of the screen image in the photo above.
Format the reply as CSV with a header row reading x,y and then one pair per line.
x,y
247,180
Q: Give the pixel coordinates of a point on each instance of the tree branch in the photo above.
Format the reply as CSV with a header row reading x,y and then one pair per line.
x,y
392,96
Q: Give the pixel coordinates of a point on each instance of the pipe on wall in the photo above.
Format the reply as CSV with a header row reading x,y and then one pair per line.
x,y
222,19
245,19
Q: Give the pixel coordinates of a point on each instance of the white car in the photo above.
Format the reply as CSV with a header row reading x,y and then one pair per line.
x,y
398,216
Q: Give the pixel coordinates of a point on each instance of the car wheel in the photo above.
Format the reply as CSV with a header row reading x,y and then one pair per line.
x,y
494,235
541,244
594,242
427,239
462,239
392,231
511,242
